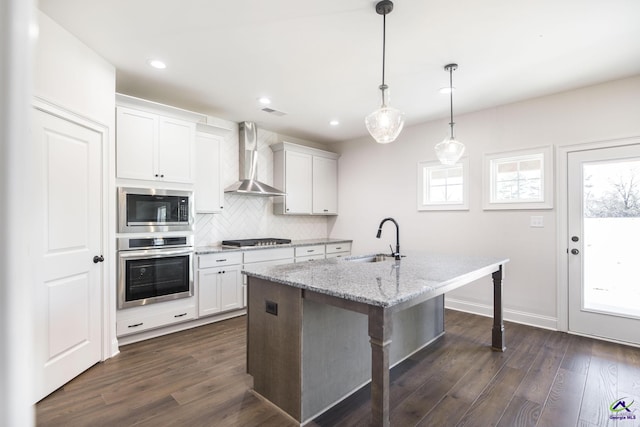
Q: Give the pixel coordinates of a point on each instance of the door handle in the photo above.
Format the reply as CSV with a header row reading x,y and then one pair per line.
x,y
97,259
575,251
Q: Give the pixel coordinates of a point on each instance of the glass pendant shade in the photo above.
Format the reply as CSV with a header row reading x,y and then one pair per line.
x,y
385,124
449,151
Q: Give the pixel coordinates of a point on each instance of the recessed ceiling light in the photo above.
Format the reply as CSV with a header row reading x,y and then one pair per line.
x,y
264,100
447,90
334,122
156,63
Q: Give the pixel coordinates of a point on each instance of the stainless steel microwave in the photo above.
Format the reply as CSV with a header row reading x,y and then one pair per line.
x,y
150,210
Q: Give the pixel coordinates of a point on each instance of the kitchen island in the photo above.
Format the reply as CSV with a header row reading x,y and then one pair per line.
x,y
308,324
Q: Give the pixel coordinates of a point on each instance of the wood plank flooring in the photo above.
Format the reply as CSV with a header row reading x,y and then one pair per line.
x,y
197,378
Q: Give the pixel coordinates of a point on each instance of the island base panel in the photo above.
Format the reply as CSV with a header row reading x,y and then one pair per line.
x,y
273,343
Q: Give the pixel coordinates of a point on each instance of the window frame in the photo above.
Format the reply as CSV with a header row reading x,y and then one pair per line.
x,y
489,173
442,206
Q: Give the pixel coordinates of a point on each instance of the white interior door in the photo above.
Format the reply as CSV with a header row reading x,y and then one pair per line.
x,y
604,242
68,299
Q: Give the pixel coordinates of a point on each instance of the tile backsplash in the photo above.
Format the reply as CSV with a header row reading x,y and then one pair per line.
x,y
251,216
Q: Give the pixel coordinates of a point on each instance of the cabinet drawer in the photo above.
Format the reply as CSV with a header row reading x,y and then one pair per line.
x,y
310,258
338,247
261,255
219,259
142,323
309,250
338,255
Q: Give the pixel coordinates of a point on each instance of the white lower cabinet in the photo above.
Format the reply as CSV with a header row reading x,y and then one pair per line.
x,y
310,253
337,250
220,285
138,319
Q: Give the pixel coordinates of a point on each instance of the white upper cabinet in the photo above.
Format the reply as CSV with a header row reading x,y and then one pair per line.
x,y
208,185
298,181
325,186
137,133
309,177
154,147
176,141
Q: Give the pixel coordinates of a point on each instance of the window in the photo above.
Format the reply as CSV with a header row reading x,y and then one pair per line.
x,y
519,179
442,187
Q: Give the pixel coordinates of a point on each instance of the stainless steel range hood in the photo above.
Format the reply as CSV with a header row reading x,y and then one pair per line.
x,y
249,184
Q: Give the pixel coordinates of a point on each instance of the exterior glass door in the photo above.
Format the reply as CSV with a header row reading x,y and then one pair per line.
x,y
604,242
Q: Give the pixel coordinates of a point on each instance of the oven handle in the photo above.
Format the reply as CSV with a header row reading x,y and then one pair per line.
x,y
155,253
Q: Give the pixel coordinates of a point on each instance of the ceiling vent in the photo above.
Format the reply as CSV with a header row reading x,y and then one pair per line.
x,y
273,112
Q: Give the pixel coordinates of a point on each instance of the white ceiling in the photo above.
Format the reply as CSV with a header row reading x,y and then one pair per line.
x,y
322,60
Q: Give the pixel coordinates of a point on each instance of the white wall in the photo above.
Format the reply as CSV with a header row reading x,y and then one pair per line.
x,y
376,181
73,76
16,244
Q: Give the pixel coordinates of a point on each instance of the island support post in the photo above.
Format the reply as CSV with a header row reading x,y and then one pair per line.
x,y
380,328
497,332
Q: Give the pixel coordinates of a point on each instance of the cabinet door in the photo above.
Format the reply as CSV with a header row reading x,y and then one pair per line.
x,y
136,134
298,182
231,292
208,291
209,192
325,186
176,141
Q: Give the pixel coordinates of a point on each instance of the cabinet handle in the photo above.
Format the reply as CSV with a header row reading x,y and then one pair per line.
x,y
162,176
310,250
220,260
338,248
135,325
156,175
180,315
326,210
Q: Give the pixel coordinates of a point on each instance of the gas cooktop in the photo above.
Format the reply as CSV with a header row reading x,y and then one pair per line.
x,y
241,243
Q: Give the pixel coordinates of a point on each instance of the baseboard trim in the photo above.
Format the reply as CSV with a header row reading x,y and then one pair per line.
x,y
524,318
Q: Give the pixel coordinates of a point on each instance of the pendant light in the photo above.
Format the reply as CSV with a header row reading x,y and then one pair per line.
x,y
386,122
450,150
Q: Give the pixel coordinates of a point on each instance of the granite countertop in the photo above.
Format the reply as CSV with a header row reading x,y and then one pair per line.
x,y
200,250
386,283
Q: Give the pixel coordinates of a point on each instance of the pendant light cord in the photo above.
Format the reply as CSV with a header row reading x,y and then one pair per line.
x,y
451,123
384,44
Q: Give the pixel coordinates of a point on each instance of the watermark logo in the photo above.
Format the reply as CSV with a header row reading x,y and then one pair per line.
x,y
621,409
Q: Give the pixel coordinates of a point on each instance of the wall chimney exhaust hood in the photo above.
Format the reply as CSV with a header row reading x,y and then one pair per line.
x,y
249,184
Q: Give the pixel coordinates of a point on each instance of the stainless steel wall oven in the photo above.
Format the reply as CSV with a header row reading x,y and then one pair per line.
x,y
154,269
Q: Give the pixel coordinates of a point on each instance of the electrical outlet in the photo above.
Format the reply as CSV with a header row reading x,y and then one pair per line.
x,y
537,222
271,307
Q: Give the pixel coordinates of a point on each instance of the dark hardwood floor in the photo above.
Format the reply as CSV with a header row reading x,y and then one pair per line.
x,y
197,378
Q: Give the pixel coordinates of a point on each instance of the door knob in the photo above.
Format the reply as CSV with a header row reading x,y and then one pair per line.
x,y
97,259
575,251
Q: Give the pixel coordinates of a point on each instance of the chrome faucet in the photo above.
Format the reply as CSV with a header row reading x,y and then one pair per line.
x,y
397,252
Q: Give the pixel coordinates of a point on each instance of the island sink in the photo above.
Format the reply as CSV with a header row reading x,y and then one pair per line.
x,y
371,258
